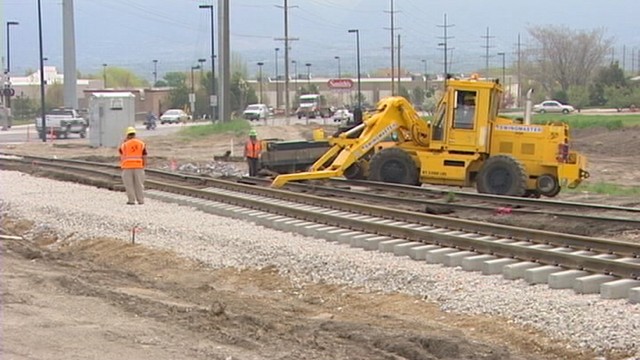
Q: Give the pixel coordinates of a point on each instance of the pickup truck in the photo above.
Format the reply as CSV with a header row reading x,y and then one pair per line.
x,y
63,122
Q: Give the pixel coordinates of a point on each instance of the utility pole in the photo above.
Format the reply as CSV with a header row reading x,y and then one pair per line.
x,y
633,61
224,63
520,80
426,78
260,63
155,72
42,92
487,47
624,57
392,28
277,82
69,55
213,63
286,40
399,67
444,43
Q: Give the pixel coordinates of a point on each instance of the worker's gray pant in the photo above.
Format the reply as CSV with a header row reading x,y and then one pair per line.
x,y
133,180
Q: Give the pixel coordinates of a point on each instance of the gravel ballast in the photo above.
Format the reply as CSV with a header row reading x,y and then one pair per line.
x,y
80,212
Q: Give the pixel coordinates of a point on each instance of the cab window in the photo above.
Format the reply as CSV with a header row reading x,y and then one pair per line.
x,y
439,121
465,110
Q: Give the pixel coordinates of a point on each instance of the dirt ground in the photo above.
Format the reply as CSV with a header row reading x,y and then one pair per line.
x,y
106,299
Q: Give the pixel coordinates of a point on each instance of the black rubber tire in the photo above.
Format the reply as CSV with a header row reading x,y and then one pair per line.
x,y
393,165
543,111
357,171
565,111
548,185
502,175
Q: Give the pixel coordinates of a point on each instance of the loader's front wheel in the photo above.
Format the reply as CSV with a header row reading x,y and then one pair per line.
x,y
393,165
502,175
357,171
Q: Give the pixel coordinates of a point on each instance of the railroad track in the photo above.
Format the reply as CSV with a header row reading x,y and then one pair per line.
x,y
436,201
586,264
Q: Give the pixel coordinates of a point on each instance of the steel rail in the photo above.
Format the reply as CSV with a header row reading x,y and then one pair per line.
x,y
600,245
303,187
426,228
484,197
423,233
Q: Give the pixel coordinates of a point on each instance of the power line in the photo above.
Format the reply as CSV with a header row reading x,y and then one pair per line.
x,y
486,56
445,43
392,28
286,40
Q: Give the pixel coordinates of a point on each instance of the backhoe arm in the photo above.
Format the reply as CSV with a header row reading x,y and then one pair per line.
x,y
392,114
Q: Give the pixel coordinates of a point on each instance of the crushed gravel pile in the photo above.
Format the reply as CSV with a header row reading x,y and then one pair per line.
x,y
79,212
213,168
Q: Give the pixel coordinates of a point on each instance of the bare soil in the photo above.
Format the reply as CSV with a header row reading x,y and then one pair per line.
x,y
107,299
103,298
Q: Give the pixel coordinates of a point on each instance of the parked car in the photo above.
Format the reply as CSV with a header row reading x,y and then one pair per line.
x,y
174,116
256,112
552,106
342,116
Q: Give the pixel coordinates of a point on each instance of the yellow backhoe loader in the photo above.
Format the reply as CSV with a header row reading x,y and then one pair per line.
x,y
465,144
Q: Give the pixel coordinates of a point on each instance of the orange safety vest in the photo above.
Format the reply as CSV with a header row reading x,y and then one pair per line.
x,y
131,152
253,149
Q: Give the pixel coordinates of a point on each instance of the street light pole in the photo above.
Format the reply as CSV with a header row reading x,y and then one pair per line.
x,y
201,64
260,75
277,83
214,115
426,78
359,112
295,69
339,72
503,67
155,72
42,102
308,65
9,24
104,75
8,96
503,54
192,95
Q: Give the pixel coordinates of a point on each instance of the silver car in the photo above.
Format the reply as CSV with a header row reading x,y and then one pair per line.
x,y
174,116
552,106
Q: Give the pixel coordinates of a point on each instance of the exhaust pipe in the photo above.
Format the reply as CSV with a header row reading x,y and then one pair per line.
x,y
528,106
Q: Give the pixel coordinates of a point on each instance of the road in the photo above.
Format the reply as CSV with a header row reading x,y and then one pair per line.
x,y
20,134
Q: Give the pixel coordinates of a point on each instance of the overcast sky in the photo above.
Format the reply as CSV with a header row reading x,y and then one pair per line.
x,y
131,33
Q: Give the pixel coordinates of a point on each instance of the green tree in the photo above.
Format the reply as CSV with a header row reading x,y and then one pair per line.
x,y
179,97
404,92
418,95
611,76
578,96
24,108
175,79
118,77
561,57
55,96
241,93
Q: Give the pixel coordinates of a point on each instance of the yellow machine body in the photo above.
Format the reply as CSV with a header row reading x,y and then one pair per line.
x,y
465,144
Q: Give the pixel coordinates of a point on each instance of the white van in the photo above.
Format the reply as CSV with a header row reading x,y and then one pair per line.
x,y
256,112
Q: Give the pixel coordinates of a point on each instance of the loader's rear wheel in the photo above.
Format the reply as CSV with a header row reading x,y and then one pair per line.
x,y
502,175
548,185
393,165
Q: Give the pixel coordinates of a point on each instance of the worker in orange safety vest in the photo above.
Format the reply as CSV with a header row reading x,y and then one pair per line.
x,y
133,159
252,150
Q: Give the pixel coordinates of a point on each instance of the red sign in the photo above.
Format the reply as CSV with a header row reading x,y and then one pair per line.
x,y
340,83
